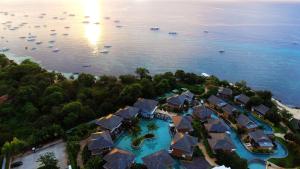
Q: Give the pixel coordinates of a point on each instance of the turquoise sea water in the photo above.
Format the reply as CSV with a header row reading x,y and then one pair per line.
x,y
261,40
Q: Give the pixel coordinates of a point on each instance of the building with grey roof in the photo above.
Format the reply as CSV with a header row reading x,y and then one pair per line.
x,y
221,141
244,121
241,99
260,140
216,126
183,124
111,122
261,110
183,145
202,113
100,143
216,102
159,160
228,110
225,92
128,112
118,159
147,107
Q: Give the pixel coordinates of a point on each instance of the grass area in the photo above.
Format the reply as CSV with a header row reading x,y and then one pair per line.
x,y
280,129
290,160
196,89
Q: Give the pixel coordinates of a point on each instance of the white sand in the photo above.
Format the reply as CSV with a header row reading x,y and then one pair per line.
x,y
293,111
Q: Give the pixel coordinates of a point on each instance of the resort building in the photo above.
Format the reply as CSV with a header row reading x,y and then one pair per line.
x,y
225,92
178,102
242,99
118,159
111,123
183,145
221,141
260,140
216,126
183,124
244,122
260,110
216,102
159,160
202,113
196,163
229,110
100,143
128,113
147,107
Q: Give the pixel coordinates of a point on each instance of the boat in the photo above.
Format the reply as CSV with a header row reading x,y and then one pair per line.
x,y
205,31
50,46
51,41
65,34
104,51
22,37
96,23
117,21
154,28
53,34
30,39
86,16
33,49
39,42
86,22
67,27
86,66
4,49
72,15
107,46
172,33
55,50
119,26
221,51
55,17
107,18
53,30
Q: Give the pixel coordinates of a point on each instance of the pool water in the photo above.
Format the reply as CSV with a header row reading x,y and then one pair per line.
x,y
256,165
162,140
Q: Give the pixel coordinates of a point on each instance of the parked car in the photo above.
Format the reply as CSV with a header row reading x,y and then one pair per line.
x,y
16,164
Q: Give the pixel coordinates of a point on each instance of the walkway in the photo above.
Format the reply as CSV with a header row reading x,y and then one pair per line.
x,y
272,166
3,163
79,158
210,160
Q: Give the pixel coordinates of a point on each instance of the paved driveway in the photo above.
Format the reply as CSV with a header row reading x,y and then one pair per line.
x,y
59,150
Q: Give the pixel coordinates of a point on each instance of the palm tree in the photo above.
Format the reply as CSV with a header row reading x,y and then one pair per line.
x,y
142,72
152,126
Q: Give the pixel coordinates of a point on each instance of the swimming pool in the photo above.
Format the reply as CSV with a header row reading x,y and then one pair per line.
x,y
162,140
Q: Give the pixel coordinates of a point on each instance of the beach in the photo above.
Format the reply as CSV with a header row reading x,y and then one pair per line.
x,y
294,111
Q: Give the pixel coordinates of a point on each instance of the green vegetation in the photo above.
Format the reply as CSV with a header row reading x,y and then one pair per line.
x,y
198,152
94,162
293,158
231,159
136,142
152,126
48,161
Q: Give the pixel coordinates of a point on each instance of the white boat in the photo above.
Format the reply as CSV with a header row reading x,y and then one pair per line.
x,y
119,26
154,28
107,46
67,27
107,18
86,22
39,42
55,50
51,41
172,33
50,46
4,49
30,39
53,34
117,21
96,23
65,34
104,51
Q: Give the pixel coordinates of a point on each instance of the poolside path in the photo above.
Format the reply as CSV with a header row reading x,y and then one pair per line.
x,y
270,165
79,159
210,160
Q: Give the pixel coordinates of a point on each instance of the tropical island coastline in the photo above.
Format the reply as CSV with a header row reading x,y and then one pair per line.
x,y
57,105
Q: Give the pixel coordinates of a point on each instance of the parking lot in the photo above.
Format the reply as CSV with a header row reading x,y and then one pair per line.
x,y
58,148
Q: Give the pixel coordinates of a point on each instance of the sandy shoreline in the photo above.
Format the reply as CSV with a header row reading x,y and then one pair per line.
x,y
295,112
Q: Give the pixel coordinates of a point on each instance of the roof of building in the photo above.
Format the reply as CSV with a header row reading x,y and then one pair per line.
x,y
184,142
196,163
202,112
261,138
118,159
244,121
177,100
100,140
109,122
229,109
189,95
159,160
225,91
220,141
216,126
216,101
128,112
146,105
182,122
242,98
262,109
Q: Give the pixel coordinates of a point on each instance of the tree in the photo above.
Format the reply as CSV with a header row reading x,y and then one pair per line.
x,y
127,79
131,93
94,163
48,161
231,160
142,72
13,147
180,75
86,80
152,126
